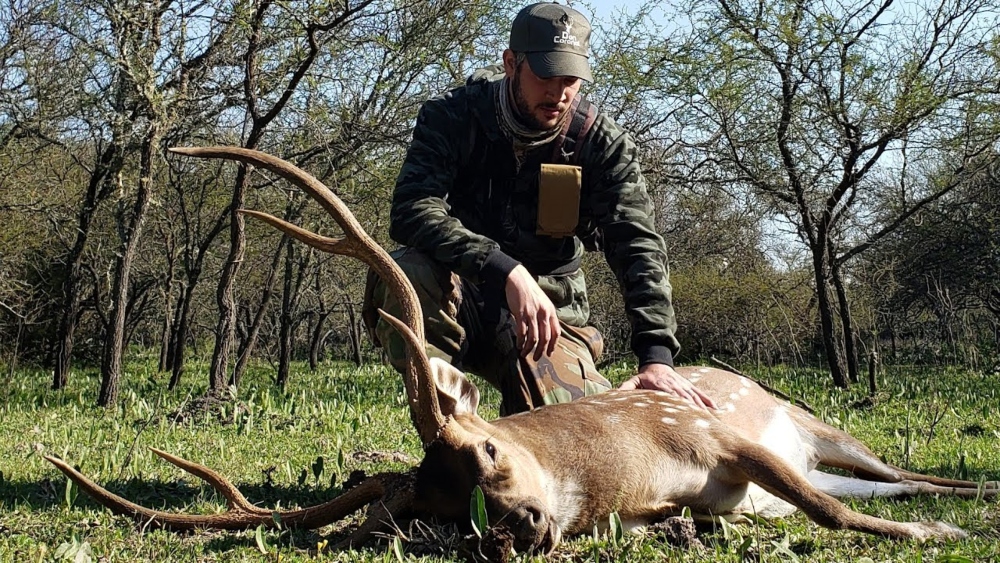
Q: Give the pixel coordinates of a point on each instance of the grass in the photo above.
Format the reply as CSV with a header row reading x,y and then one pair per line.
x,y
941,421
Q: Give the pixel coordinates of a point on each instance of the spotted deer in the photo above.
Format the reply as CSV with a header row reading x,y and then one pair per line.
x,y
562,469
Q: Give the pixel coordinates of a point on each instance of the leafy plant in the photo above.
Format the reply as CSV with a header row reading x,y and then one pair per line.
x,y
477,510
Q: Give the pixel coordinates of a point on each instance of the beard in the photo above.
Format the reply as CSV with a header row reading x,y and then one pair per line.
x,y
525,113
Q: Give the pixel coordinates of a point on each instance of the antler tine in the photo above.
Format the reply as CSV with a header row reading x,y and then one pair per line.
x,y
421,393
233,496
414,345
241,514
319,242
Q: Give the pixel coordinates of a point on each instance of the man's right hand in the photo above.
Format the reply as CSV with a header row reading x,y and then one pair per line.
x,y
535,320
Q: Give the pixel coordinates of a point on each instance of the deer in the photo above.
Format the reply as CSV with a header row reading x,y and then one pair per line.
x,y
641,454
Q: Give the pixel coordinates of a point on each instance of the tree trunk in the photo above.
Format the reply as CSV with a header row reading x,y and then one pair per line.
x,y
316,339
193,265
109,164
847,324
63,352
168,311
355,332
316,336
825,309
290,294
285,319
114,344
248,344
873,371
178,339
225,330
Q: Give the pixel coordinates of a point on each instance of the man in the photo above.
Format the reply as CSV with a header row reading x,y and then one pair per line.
x,y
507,179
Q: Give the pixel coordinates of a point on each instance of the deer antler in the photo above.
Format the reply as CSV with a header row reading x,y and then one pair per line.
x,y
395,489
241,514
424,408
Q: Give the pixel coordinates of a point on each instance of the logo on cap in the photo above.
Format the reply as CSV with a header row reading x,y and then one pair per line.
x,y
567,36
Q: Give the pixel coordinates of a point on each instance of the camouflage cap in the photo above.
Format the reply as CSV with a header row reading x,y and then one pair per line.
x,y
555,38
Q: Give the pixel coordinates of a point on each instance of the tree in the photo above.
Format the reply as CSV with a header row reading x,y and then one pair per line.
x,y
806,105
938,276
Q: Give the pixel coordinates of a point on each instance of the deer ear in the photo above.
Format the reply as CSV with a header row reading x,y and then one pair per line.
x,y
456,394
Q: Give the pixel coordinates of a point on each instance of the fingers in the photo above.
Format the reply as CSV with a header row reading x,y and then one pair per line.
x,y
694,398
548,335
529,326
704,400
630,385
537,331
535,322
555,332
674,385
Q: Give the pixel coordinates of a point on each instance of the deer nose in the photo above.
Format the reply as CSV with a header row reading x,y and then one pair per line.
x,y
529,520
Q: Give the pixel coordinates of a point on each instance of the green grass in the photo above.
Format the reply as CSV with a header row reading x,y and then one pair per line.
x,y
270,443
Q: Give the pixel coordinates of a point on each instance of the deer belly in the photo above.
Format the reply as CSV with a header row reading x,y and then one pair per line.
x,y
782,437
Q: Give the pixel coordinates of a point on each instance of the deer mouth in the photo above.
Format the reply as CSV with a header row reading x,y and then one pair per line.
x,y
550,540
534,530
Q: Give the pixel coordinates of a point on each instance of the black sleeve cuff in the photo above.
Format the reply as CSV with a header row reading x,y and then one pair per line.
x,y
493,277
655,355
496,268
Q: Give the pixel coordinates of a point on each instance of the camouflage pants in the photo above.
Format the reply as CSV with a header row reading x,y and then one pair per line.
x,y
466,331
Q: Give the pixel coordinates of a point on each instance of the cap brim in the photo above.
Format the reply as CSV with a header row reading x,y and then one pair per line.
x,y
560,63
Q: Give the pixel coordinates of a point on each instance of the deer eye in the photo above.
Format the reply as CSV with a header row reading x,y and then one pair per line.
x,y
491,451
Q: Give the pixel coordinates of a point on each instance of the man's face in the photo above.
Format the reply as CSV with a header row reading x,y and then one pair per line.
x,y
541,102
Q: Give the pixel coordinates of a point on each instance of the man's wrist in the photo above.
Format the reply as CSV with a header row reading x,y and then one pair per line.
x,y
655,354
497,268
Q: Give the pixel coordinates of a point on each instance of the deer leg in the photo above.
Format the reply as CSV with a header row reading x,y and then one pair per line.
x,y
778,478
843,487
839,449
990,488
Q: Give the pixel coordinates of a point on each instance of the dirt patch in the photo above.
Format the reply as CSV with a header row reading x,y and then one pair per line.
x,y
382,457
679,532
217,406
496,545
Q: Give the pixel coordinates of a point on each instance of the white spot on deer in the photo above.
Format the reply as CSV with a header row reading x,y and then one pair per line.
x,y
744,391
642,404
730,407
668,420
614,419
670,410
745,382
734,396
702,423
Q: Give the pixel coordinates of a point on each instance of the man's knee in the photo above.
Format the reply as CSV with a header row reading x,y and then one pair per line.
x,y
568,374
439,293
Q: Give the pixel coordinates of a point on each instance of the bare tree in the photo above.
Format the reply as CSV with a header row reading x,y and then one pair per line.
x,y
803,103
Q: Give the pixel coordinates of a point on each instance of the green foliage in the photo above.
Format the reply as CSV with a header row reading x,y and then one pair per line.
x,y
477,511
757,314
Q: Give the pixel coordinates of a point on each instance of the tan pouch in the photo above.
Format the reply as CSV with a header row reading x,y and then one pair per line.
x,y
559,199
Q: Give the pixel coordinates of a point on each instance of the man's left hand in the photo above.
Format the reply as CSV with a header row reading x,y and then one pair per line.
x,y
662,377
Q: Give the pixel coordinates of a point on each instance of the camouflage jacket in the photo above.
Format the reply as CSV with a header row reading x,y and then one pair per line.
x,y
462,199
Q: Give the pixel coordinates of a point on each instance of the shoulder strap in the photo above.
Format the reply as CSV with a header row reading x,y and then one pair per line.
x,y
565,147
